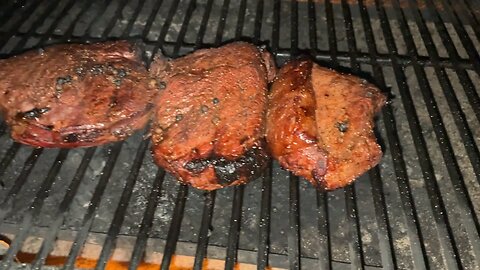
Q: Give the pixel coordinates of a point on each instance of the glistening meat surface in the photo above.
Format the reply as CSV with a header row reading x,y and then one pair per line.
x,y
210,118
320,124
74,95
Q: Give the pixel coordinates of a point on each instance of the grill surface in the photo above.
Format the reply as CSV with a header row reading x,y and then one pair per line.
x,y
418,209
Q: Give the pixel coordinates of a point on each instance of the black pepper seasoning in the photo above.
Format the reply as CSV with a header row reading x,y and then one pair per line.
x,y
96,69
162,84
79,71
64,80
117,82
342,126
34,113
215,101
122,73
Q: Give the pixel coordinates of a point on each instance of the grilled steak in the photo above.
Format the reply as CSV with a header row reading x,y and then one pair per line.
x,y
209,120
319,124
75,95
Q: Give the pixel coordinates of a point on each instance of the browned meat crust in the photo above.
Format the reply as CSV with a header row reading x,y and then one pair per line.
x,y
210,118
320,124
75,95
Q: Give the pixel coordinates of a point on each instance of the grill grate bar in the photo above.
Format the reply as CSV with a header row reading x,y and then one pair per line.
x,y
264,219
51,29
383,225
147,221
241,18
49,238
203,24
205,228
174,230
293,28
128,29
151,19
112,155
460,9
312,19
324,250
471,11
318,54
7,159
115,18
222,22
34,210
3,128
8,12
98,16
234,229
276,26
24,17
453,169
461,32
6,207
355,243
41,20
443,228
166,26
119,215
294,225
352,48
444,232
332,36
69,32
258,21
465,80
458,115
183,29
406,197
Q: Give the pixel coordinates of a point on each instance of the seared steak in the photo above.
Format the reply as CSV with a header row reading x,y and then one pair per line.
x,y
319,124
210,118
75,95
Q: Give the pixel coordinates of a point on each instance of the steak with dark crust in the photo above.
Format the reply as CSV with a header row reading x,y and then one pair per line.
x,y
210,118
320,124
75,95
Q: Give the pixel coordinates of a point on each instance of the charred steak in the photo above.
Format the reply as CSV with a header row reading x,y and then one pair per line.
x,y
210,118
75,95
319,124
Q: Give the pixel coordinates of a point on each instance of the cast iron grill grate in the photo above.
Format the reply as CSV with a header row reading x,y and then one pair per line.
x,y
418,209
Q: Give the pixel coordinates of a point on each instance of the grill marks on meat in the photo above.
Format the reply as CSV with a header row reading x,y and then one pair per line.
x,y
210,118
320,124
76,95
